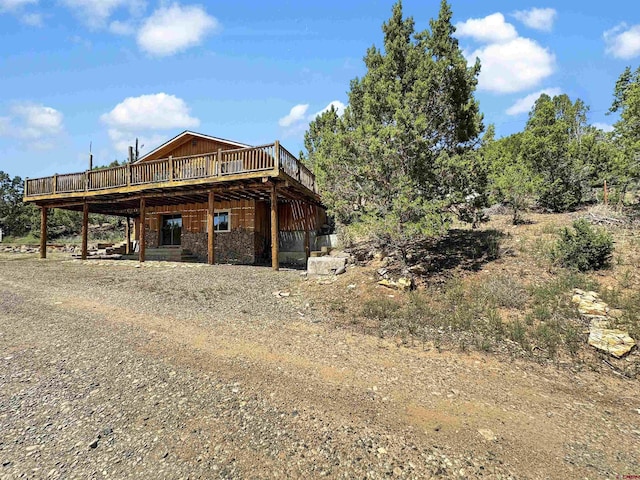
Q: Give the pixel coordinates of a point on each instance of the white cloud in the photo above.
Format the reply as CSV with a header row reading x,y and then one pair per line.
x,y
32,19
603,126
524,104
623,41
296,114
158,111
513,66
537,18
510,63
492,28
122,28
35,124
12,5
143,116
336,104
175,28
96,13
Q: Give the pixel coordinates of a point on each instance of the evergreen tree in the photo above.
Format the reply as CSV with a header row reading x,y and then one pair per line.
x,y
401,156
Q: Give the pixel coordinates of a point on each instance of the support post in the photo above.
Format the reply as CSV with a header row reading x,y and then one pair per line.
x,y
43,232
276,157
143,228
211,257
307,243
85,230
171,168
606,194
275,263
127,236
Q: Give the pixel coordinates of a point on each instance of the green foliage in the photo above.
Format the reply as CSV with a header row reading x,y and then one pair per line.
x,y
626,135
550,147
402,158
584,247
15,216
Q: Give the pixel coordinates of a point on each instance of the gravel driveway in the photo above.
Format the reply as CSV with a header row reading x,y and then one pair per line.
x,y
111,370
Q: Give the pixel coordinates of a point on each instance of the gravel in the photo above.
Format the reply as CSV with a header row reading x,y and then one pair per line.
x,y
112,370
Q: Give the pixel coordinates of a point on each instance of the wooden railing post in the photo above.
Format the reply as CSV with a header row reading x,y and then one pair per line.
x,y
128,174
54,183
171,168
219,160
26,186
276,156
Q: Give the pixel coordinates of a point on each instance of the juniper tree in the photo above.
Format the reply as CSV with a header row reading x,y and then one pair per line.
x,y
393,162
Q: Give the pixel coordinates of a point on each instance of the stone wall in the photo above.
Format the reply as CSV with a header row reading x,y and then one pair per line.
x,y
237,246
151,237
196,243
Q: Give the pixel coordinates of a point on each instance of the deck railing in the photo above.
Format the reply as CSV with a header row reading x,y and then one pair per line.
x,y
176,169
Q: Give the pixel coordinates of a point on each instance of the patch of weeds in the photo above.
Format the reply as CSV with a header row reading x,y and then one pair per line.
x,y
504,291
550,229
337,305
517,332
379,309
494,326
547,337
573,339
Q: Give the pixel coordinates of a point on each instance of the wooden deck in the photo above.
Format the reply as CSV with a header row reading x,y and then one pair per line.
x,y
271,160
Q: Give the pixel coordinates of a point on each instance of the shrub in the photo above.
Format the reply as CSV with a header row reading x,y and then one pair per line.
x,y
584,247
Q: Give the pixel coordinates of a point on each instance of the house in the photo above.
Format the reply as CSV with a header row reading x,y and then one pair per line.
x,y
223,201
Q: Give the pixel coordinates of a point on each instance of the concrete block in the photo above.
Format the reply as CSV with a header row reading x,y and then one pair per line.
x,y
324,265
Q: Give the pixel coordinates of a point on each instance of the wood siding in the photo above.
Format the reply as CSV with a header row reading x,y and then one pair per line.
x,y
194,215
190,146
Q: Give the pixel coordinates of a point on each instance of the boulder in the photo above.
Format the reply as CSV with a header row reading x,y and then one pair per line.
x,y
612,341
325,265
403,283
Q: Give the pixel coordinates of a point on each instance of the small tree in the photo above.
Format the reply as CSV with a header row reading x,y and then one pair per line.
x,y
515,185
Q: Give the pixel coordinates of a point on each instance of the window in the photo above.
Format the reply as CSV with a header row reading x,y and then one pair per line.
x,y
221,221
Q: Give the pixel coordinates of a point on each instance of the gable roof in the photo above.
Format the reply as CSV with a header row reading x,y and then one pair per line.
x,y
180,136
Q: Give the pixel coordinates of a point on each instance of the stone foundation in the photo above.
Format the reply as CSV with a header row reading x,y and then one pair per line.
x,y
151,238
237,246
196,243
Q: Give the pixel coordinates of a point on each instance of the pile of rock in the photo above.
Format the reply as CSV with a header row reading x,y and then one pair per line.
x,y
601,336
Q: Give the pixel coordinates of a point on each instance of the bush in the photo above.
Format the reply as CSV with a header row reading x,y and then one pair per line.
x,y
584,247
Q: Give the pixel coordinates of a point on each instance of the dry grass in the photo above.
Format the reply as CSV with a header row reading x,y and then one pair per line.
x,y
517,304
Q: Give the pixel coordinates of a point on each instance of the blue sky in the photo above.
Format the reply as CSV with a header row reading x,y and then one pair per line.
x,y
105,71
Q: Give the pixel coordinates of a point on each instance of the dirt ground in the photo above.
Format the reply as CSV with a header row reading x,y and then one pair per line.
x,y
111,370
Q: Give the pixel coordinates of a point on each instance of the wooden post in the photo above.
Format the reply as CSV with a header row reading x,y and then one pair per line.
x,y
143,228
307,242
276,156
128,174
85,230
170,168
55,183
211,257
219,160
127,236
26,186
43,232
275,263
606,194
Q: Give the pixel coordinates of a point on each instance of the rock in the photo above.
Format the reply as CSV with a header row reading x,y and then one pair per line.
x,y
325,265
488,435
612,341
94,444
382,450
341,270
403,283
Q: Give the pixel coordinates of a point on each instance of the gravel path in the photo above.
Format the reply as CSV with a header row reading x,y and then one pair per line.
x,y
109,370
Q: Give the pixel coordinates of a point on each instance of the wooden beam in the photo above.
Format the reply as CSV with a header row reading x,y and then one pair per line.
x,y
43,232
211,258
143,228
85,230
127,236
275,263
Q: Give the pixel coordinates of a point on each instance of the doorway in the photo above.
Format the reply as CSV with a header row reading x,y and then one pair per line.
x,y
171,229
